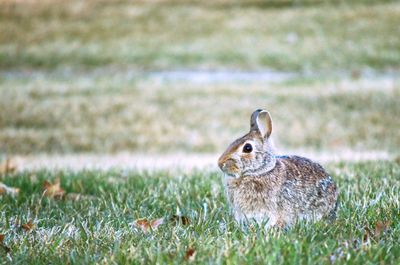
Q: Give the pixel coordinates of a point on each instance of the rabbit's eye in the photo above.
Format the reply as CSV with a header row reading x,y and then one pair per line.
x,y
247,148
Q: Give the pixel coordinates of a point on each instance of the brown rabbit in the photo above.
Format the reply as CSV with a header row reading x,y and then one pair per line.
x,y
278,190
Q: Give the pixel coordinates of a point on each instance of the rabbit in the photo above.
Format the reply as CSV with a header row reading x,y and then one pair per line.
x,y
275,190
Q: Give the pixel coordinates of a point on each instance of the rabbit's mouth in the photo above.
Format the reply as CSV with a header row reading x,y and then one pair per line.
x,y
231,175
232,171
228,165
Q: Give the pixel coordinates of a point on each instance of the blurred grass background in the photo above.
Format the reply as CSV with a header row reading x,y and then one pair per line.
x,y
74,75
245,34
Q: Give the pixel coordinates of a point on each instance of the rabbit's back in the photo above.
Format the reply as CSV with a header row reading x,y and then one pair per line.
x,y
307,190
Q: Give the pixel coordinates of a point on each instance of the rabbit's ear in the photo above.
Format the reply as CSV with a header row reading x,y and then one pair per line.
x,y
261,121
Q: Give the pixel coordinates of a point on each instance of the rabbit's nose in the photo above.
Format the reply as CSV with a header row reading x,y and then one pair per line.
x,y
221,163
226,164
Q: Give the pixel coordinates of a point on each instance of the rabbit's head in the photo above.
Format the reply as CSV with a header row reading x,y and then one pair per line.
x,y
252,154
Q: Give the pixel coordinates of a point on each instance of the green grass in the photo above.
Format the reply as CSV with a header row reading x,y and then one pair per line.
x,y
99,230
284,35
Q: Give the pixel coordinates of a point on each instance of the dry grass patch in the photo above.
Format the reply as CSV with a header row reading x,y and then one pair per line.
x,y
100,113
285,35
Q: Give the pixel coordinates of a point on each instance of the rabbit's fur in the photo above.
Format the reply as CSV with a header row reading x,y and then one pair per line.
x,y
278,190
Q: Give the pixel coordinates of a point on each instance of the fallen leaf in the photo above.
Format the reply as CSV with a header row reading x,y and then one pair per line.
x,y
8,190
367,235
180,219
6,249
381,227
8,166
53,190
145,224
28,226
190,254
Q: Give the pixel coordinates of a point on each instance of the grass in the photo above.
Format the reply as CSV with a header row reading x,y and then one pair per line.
x,y
99,229
96,112
73,80
73,74
284,35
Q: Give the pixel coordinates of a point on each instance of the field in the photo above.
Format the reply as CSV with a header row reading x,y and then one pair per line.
x,y
302,35
114,115
120,84
99,226
104,71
